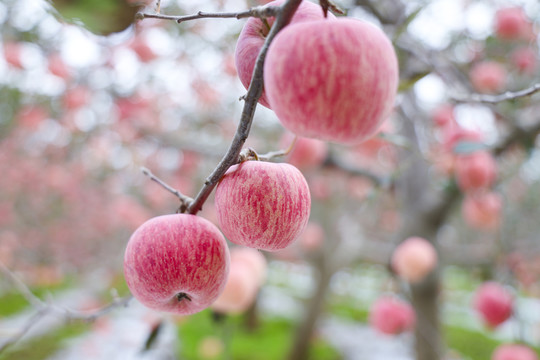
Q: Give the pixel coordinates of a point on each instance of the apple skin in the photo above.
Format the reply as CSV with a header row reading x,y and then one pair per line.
x,y
390,315
173,254
475,171
488,77
263,205
414,259
333,80
482,210
494,303
514,352
253,36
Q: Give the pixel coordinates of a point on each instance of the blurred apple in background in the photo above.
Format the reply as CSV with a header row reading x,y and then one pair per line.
x,y
494,303
392,316
414,259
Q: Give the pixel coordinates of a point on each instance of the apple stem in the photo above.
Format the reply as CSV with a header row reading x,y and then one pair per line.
x,y
181,296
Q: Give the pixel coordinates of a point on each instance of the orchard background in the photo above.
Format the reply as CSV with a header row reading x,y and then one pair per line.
x,y
87,98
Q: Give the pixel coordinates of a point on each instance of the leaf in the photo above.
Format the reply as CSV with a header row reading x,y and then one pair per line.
x,y
102,17
468,147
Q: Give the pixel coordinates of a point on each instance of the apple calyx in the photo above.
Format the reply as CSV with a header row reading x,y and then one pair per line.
x,y
181,296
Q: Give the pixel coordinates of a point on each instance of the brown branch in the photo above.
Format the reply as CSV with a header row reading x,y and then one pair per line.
x,y
284,15
494,99
261,12
184,200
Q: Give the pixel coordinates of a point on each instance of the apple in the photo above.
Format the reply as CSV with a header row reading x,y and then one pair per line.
x,y
494,303
510,23
390,315
443,115
475,171
176,263
313,237
13,54
263,205
253,36
240,290
514,352
482,210
333,80
58,67
253,258
488,77
307,154
525,59
414,259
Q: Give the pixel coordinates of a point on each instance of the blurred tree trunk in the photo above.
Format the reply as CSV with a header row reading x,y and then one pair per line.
x,y
304,332
424,210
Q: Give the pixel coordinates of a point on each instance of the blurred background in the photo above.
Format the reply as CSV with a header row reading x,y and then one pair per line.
x,y
87,98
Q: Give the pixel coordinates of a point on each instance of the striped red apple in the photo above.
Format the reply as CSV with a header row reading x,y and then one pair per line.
x,y
263,205
333,80
176,263
254,34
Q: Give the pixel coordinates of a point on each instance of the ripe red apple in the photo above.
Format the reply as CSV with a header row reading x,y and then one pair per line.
x,y
306,154
333,80
525,59
253,36
475,171
488,77
253,258
263,205
392,316
240,290
510,23
514,352
176,263
414,259
482,210
443,115
494,303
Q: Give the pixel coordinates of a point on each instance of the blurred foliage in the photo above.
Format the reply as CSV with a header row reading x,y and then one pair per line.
x,y
42,347
270,340
102,17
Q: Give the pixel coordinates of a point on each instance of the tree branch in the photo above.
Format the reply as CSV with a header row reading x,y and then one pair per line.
x,y
284,15
494,99
261,12
184,200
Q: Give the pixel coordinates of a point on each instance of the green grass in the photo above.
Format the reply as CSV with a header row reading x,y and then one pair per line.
x,y
13,302
270,341
45,346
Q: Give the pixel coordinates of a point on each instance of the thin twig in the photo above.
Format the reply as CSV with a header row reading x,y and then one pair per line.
x,y
22,288
261,12
185,200
284,15
494,99
93,315
284,152
33,320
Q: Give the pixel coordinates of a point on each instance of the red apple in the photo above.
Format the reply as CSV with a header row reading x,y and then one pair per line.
x,y
511,23
333,80
414,259
525,59
176,263
482,210
253,258
494,303
392,316
253,36
488,77
306,154
443,115
475,171
514,352
263,205
240,290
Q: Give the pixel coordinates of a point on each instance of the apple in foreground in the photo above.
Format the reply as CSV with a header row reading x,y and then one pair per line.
x,y
176,263
263,205
254,34
390,315
414,259
494,303
514,352
333,80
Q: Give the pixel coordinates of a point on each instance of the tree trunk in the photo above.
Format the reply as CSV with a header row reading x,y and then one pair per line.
x,y
304,333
